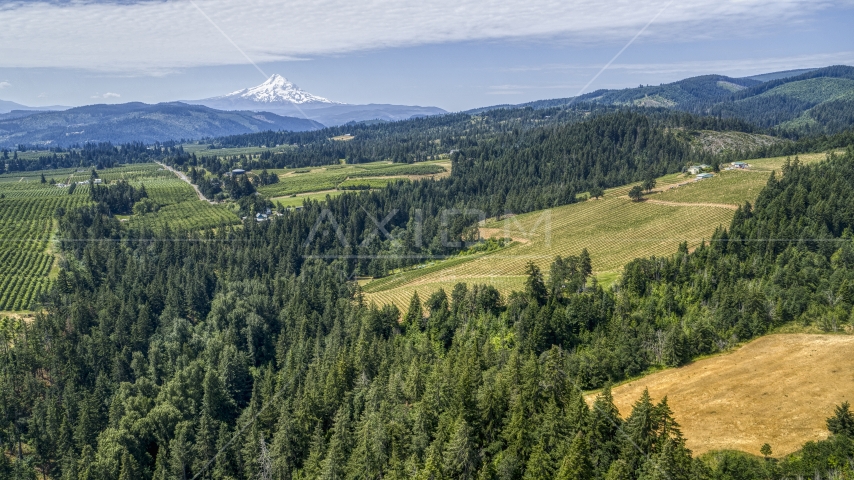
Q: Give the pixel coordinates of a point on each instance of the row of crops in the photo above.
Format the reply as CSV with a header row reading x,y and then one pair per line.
x,y
372,175
189,215
19,292
27,220
27,210
614,230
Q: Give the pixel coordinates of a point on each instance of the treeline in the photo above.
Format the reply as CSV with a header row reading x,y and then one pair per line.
x,y
101,155
425,138
118,198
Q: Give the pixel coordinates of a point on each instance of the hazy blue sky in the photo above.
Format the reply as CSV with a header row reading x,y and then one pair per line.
x,y
455,54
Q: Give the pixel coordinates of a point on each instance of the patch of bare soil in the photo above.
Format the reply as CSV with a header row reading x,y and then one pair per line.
x,y
501,233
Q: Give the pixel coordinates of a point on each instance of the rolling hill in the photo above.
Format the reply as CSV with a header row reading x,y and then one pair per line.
x,y
613,229
794,102
139,122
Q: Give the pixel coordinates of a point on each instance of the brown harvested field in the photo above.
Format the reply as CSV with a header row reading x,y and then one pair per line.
x,y
778,389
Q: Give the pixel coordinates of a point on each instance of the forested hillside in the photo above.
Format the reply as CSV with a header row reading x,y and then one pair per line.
x,y
814,102
96,155
138,122
512,172
420,139
238,353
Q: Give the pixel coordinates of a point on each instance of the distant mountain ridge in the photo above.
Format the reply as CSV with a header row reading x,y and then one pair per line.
x,y
804,101
8,107
278,95
139,122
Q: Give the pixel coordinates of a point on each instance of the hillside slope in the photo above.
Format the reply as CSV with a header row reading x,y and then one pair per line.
x,y
812,101
613,229
139,122
778,389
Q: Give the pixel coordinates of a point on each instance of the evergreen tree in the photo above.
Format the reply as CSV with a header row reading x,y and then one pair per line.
x,y
333,466
535,286
414,315
842,421
605,431
540,465
576,463
619,470
460,457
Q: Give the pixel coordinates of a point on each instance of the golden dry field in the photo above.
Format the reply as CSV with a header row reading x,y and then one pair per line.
x,y
777,389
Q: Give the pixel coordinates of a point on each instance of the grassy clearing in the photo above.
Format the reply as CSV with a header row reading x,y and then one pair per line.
x,y
614,230
814,90
777,389
374,175
714,142
732,186
205,150
298,200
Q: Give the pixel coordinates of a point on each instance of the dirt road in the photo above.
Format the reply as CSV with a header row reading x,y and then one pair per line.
x,y
184,178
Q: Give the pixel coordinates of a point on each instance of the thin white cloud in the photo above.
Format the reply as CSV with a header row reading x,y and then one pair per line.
x,y
731,67
106,95
5,85
521,89
745,67
153,37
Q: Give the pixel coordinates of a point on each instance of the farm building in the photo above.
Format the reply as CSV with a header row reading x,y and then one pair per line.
x,y
704,176
740,165
238,171
697,169
260,217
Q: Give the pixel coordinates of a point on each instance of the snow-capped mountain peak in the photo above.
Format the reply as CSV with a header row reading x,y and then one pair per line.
x,y
277,89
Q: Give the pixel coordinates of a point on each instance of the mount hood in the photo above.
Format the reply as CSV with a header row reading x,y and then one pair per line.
x,y
280,96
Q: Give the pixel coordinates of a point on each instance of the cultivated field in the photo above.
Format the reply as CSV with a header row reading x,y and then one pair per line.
x,y
299,199
294,181
614,230
777,389
180,207
204,150
27,224
28,260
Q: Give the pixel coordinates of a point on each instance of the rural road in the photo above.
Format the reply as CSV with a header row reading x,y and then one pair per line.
x,y
184,178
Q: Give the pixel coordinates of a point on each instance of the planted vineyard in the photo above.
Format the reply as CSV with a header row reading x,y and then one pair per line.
x,y
178,206
368,175
27,220
614,229
27,210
